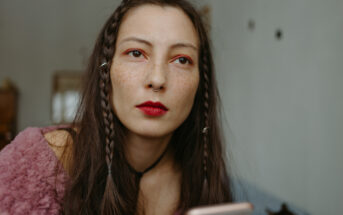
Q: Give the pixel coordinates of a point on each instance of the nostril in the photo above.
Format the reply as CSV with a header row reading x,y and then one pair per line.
x,y
159,88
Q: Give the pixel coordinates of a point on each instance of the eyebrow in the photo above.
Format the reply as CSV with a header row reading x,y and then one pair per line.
x,y
176,45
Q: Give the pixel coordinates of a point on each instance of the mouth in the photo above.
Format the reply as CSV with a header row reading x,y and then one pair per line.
x,y
153,108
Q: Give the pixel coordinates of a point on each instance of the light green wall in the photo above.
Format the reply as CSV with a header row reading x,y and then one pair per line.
x,y
283,100
38,37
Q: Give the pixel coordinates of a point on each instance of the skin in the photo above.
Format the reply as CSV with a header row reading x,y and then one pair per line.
x,y
167,59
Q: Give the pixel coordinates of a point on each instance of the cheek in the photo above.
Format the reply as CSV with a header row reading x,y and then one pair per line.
x,y
185,91
120,75
123,85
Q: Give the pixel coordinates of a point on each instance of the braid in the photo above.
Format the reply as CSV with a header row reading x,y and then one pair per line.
x,y
110,33
107,55
206,71
107,114
112,202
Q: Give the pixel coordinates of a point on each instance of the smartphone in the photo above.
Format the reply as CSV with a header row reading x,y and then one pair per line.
x,y
244,208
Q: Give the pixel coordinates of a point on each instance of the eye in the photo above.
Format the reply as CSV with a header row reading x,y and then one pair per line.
x,y
183,60
135,53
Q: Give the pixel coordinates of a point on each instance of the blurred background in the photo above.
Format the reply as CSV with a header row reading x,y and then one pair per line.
x,y
279,67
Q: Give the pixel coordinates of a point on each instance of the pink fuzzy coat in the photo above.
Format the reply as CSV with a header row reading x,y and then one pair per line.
x,y
28,182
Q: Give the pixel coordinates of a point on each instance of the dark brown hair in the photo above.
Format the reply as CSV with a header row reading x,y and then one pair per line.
x,y
101,181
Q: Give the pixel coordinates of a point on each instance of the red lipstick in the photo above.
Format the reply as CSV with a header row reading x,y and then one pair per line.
x,y
152,108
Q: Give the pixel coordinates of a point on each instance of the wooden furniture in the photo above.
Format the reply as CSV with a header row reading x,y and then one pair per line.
x,y
8,113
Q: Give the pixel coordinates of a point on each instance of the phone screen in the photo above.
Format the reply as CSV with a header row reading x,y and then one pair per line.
x,y
244,208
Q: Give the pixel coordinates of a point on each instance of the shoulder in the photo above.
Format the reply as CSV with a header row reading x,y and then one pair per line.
x,y
28,179
57,141
36,141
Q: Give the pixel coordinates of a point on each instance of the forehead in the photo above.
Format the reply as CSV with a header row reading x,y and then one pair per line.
x,y
164,25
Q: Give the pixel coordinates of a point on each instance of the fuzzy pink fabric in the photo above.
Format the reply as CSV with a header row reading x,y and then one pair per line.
x,y
28,182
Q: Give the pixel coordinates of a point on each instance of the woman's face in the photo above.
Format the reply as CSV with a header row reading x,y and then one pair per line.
x,y
156,60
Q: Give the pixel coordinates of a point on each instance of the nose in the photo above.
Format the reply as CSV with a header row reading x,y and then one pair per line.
x,y
156,79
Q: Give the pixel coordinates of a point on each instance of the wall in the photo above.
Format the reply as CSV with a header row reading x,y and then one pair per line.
x,y
40,37
283,98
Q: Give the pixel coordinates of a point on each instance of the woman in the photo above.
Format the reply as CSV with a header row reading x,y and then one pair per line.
x,y
146,139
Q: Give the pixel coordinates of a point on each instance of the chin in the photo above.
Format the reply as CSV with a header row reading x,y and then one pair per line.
x,y
154,134
149,128
151,132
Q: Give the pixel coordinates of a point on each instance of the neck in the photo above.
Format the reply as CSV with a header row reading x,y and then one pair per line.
x,y
141,152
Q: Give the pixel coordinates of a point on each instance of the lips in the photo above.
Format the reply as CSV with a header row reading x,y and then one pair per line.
x,y
153,108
